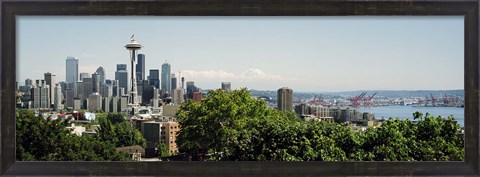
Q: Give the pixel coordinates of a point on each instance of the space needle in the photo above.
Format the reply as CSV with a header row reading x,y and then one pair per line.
x,y
133,46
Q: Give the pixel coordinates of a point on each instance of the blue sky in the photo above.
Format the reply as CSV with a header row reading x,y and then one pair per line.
x,y
303,53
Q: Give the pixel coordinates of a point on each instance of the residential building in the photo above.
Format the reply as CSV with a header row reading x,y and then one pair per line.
x,y
41,95
285,99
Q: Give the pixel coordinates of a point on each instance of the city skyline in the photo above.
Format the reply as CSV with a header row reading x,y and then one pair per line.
x,y
265,53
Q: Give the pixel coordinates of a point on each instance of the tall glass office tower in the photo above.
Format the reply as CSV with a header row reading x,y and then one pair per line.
x,y
71,70
165,82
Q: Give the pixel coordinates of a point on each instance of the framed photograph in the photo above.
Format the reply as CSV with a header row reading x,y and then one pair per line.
x,y
317,80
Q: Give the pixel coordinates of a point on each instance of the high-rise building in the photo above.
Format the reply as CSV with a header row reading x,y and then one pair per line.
x,y
115,88
41,95
69,98
95,102
154,78
79,93
57,98
87,87
285,99
122,92
226,86
101,73
122,76
155,98
166,78
71,70
174,82
140,68
107,90
50,81
183,82
115,104
178,96
95,83
106,104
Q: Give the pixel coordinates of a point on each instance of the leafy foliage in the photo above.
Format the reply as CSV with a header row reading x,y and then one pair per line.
x,y
40,139
235,126
115,129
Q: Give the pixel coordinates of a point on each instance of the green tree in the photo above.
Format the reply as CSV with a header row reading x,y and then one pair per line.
x,y
46,139
162,150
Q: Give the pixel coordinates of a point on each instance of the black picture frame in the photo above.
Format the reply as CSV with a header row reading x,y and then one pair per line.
x,y
467,8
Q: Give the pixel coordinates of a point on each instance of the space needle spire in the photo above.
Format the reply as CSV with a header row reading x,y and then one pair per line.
x,y
133,47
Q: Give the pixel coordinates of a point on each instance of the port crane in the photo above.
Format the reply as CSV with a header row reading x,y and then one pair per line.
x,y
316,101
356,100
367,102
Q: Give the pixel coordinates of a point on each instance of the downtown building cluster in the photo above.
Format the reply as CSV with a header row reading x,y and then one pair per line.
x,y
93,91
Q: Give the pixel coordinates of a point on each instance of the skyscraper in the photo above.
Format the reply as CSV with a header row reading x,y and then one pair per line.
x,y
57,97
154,78
173,83
166,78
41,95
178,96
87,87
122,76
50,81
140,68
285,99
226,86
101,73
69,98
95,83
71,70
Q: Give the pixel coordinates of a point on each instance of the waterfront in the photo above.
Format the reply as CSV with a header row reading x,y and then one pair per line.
x,y
405,112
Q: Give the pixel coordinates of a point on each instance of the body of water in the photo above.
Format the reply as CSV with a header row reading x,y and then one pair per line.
x,y
406,112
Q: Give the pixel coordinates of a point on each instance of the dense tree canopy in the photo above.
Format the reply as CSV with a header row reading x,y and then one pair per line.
x,y
235,126
116,129
40,139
